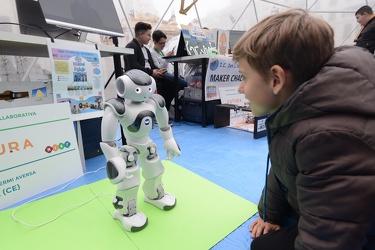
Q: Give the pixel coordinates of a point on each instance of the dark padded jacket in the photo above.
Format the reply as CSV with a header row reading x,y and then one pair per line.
x,y
367,37
137,60
322,151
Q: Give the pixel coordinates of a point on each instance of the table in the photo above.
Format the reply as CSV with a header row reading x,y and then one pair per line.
x,y
194,59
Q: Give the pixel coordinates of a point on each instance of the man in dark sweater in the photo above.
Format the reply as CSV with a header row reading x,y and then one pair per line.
x,y
142,60
366,37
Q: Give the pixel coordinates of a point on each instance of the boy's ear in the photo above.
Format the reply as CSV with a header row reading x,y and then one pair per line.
x,y
278,79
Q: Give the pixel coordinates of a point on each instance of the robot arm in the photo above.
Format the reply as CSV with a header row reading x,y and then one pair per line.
x,y
170,144
109,123
161,112
116,166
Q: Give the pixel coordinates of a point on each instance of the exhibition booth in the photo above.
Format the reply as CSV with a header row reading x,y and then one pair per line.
x,y
54,190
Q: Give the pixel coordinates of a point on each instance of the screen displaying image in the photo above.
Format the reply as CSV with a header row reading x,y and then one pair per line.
x,y
95,16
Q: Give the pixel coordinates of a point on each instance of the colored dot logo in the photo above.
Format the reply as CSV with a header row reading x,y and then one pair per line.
x,y
56,147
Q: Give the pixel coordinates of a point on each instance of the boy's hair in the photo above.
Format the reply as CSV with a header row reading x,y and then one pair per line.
x,y
141,27
364,9
293,39
157,35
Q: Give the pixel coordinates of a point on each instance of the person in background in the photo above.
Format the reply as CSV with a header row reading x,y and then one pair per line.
x,y
366,37
160,39
321,133
142,60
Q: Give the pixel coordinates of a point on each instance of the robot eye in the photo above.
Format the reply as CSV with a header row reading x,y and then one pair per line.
x,y
149,89
138,90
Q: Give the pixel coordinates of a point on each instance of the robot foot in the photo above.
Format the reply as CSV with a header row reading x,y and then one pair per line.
x,y
167,202
133,223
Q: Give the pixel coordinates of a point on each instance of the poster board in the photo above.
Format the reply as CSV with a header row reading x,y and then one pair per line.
x,y
222,71
38,151
222,41
25,93
241,116
230,95
197,41
77,77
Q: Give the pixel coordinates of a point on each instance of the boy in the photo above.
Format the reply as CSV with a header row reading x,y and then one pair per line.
x,y
366,37
321,133
160,39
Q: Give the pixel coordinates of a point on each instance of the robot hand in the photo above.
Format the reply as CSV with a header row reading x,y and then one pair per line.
x,y
172,148
170,144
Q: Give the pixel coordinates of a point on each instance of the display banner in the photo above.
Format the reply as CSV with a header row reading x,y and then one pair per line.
x,y
223,42
222,71
38,151
77,77
197,41
230,95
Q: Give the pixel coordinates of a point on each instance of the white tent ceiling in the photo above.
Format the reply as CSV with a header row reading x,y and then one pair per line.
x,y
242,14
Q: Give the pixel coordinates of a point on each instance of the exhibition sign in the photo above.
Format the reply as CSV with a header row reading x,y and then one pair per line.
x,y
197,41
222,71
77,77
38,151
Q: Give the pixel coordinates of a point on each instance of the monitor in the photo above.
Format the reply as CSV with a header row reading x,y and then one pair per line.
x,y
32,22
93,16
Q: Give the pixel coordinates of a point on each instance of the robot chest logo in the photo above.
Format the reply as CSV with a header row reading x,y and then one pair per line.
x,y
137,124
145,116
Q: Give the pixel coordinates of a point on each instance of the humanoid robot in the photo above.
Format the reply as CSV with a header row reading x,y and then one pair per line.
x,y
136,114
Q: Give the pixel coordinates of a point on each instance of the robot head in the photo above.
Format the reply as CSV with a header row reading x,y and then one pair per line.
x,y
135,85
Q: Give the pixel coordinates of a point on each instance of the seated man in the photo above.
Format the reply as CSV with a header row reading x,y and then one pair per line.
x,y
160,39
142,60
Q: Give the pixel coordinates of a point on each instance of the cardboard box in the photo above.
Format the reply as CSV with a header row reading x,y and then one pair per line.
x,y
91,137
193,93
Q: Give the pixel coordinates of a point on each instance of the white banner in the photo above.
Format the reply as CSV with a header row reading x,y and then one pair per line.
x,y
77,77
38,151
230,95
222,71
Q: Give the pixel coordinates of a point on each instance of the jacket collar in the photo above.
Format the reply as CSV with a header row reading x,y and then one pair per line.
x,y
333,90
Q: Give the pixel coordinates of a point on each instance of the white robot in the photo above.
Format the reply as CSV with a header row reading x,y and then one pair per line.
x,y
136,114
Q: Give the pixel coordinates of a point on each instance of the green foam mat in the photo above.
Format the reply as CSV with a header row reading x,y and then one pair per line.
x,y
86,227
205,213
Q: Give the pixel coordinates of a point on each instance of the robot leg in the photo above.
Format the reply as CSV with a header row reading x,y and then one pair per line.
x,y
125,201
153,188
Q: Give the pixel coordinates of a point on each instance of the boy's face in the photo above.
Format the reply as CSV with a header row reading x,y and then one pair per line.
x,y
362,19
257,90
145,36
159,45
